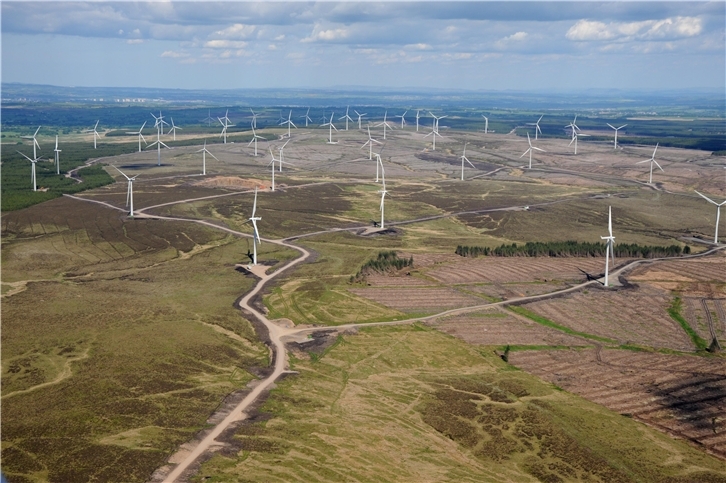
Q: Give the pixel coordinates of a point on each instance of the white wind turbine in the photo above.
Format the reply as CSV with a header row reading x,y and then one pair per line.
x,y
384,124
436,121
529,150
616,133
370,144
204,152
464,158
254,139
537,130
57,151
383,193
609,244
379,165
254,118
224,128
434,132
418,111
486,124
32,170
332,126
575,136
573,126
95,133
35,142
282,155
129,192
307,117
346,117
718,214
403,119
255,235
272,163
159,143
159,122
289,124
209,119
359,117
651,161
173,128
141,136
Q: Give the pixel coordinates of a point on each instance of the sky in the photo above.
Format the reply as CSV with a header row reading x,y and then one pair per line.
x,y
533,46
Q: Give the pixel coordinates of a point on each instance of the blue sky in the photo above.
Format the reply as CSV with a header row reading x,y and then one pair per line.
x,y
458,45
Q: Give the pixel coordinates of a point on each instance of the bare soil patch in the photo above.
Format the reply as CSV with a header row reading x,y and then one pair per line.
x,y
418,299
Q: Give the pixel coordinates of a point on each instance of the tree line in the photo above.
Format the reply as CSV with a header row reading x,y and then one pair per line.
x,y
573,249
386,261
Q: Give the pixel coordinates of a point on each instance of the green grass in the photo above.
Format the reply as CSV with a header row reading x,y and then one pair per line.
x,y
548,323
674,310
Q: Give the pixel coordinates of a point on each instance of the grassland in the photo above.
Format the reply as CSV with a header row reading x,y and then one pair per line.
x,y
412,404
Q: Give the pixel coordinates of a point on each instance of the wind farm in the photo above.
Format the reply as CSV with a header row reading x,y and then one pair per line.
x,y
501,293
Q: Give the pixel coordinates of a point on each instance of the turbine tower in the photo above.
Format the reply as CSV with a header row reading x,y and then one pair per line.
x,y
141,136
434,132
537,130
272,163
403,119
718,214
359,117
129,192
332,126
464,158
173,128
529,150
159,122
609,244
57,151
652,161
204,152
95,133
383,193
576,135
254,118
254,139
486,124
32,170
573,126
346,117
370,144
282,155
159,144
35,142
307,117
616,133
255,235
418,111
289,124
384,124
223,122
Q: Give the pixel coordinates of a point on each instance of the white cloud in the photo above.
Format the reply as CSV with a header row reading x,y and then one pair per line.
x,y
236,31
516,37
670,28
326,35
174,55
418,47
225,44
135,41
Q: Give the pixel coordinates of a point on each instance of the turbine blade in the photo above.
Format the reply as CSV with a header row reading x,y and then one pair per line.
x,y
702,195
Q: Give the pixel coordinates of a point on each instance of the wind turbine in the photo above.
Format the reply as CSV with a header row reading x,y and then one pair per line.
x,y
129,192
370,145
718,213
436,121
209,119
254,139
346,117
35,141
384,124
379,164
255,235
32,171
609,244
204,152
486,123
464,158
417,116
435,132
282,155
224,128
651,161
576,135
57,156
332,126
141,136
272,163
254,118
403,120
383,192
289,123
173,128
537,130
616,133
307,117
359,116
530,151
159,144
159,124
95,133
573,126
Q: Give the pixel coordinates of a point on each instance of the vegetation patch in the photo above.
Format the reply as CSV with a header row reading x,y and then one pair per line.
x,y
385,262
674,310
573,249
548,323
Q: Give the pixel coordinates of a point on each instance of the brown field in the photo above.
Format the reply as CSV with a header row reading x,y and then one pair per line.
x,y
510,290
501,327
683,395
628,316
418,299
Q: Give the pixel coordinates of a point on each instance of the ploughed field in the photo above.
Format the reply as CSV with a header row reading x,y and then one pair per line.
x,y
681,394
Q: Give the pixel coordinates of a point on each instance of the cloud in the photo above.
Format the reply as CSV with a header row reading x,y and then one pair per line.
x,y
516,37
225,44
236,31
326,35
135,41
418,46
174,55
667,29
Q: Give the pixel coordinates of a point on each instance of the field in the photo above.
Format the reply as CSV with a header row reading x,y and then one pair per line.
x,y
121,338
